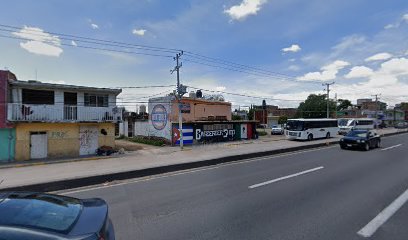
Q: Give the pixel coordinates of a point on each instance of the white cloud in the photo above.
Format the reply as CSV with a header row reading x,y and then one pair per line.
x,y
220,88
359,72
244,9
403,19
294,68
294,48
139,32
73,43
379,57
328,72
94,26
39,42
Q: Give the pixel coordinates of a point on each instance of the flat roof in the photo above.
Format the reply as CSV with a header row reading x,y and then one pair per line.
x,y
40,85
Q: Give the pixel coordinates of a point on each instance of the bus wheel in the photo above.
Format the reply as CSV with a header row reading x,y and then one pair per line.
x,y
328,135
310,137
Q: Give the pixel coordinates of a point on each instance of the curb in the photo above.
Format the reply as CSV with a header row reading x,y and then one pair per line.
x,y
99,179
40,163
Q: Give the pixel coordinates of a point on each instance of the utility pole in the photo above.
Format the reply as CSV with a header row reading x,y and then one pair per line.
x,y
376,106
328,97
335,110
181,90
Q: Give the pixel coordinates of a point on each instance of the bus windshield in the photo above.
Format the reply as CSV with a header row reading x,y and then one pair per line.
x,y
295,125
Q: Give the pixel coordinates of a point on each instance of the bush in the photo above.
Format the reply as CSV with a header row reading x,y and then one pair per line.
x,y
150,140
262,133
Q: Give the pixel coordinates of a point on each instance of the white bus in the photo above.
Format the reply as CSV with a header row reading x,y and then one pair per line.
x,y
309,129
346,125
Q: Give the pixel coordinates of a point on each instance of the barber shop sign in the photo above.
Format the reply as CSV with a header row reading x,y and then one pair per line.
x,y
159,117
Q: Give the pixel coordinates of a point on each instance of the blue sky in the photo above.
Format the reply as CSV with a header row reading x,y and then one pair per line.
x,y
361,45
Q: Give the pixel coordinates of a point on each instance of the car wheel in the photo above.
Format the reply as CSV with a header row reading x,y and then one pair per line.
x,y
367,147
328,135
310,137
342,147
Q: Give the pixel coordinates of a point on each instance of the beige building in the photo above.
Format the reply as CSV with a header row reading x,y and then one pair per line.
x,y
198,109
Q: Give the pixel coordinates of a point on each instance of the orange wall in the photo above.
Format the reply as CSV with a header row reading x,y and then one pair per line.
x,y
201,109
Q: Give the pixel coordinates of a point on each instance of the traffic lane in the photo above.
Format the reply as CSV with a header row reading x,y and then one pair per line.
x,y
160,211
395,228
261,216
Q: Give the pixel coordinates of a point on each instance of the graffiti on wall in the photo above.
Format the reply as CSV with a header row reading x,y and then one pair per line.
x,y
215,133
87,137
59,135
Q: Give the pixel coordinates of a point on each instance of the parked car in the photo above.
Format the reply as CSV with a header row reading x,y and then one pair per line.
x,y
276,130
362,139
401,125
40,216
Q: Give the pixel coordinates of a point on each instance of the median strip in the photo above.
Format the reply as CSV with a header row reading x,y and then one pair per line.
x,y
383,216
286,177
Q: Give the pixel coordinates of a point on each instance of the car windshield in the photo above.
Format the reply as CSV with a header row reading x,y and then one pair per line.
x,y
274,126
295,125
361,134
42,211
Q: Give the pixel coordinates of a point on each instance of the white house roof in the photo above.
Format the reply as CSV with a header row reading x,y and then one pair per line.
x,y
40,85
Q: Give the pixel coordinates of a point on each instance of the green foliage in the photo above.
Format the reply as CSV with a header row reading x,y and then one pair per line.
x,y
155,141
343,104
262,133
282,119
236,117
315,107
404,106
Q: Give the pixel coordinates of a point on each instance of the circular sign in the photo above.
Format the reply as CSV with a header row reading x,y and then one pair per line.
x,y
159,117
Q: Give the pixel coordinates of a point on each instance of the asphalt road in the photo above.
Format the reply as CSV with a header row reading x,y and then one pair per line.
x,y
325,193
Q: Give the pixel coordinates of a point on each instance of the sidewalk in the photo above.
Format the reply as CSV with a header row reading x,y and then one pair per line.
x,y
149,159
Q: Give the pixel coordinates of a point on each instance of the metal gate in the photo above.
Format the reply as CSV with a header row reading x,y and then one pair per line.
x,y
38,145
7,144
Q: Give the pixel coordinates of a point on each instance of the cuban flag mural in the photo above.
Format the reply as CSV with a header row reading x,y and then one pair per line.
x,y
187,135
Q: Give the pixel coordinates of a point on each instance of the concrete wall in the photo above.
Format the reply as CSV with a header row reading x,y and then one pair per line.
x,y
63,138
201,110
5,76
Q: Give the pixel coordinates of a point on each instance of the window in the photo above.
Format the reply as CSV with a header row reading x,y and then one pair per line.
x,y
70,98
95,100
37,96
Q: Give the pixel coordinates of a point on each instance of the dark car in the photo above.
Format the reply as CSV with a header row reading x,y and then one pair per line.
x,y
40,216
363,139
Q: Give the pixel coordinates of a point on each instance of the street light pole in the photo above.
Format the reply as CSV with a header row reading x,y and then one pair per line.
x,y
328,98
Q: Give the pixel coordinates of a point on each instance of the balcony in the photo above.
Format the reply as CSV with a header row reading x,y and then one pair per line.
x,y
59,113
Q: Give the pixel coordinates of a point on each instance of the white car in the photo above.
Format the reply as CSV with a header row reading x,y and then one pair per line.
x,y
276,130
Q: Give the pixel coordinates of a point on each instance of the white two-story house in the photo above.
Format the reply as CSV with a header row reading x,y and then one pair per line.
x,y
59,120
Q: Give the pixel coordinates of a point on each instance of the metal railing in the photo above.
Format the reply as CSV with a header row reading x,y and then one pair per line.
x,y
62,113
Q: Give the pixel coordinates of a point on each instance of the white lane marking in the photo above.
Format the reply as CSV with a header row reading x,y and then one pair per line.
x,y
286,177
383,216
388,148
182,172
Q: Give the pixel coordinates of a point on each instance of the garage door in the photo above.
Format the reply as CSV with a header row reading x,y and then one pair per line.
x,y
88,140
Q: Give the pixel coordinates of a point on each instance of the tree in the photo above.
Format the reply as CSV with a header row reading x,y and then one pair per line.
x,y
236,117
404,106
282,119
343,104
315,107
251,113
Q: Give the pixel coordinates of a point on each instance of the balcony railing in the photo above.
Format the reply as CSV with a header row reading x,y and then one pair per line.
x,y
62,113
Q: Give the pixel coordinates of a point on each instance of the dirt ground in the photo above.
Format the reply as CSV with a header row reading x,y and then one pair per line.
x,y
131,146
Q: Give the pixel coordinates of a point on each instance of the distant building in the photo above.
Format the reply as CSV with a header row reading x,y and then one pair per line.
x,y
272,113
58,120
